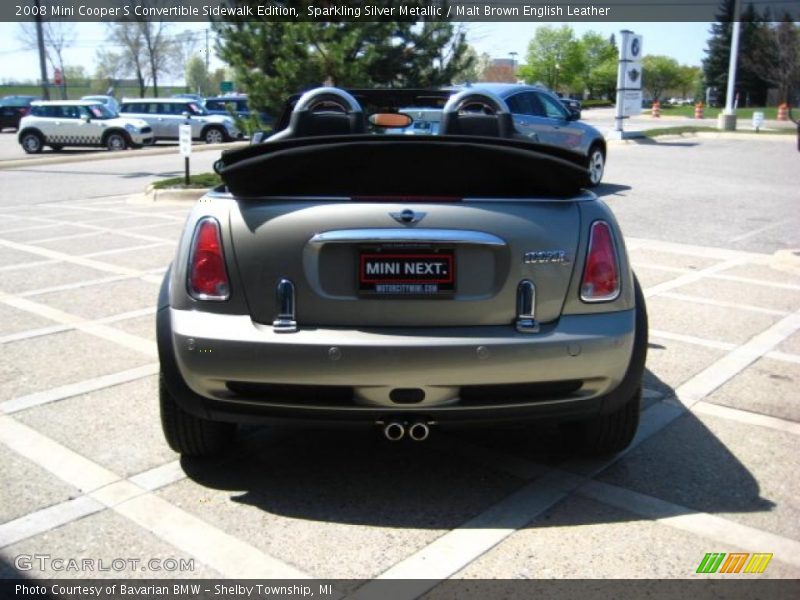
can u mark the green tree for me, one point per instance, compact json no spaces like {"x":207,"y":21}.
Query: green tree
{"x":272,"y":60}
{"x":660,"y":73}
{"x":605,"y":78}
{"x":197,"y":79}
{"x":479,"y":65}
{"x":777,"y":57}
{"x":749,"y":82}
{"x":688,"y":80}
{"x":597,"y":51}
{"x":554,"y":58}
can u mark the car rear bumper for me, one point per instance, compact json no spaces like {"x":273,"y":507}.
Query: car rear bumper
{"x":239,"y":370}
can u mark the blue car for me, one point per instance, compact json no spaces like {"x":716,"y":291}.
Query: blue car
{"x":220,"y":105}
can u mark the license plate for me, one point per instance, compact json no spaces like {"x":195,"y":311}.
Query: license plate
{"x":409,"y":273}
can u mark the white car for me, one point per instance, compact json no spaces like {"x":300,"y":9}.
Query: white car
{"x":79,"y":123}
{"x":166,"y":115}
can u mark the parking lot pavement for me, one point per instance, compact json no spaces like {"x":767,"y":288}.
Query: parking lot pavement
{"x":87,"y":474}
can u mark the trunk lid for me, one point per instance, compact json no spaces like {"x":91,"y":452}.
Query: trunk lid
{"x":337,"y":253}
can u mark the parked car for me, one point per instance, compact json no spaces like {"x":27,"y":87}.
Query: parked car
{"x":572,"y":105}
{"x":538,"y":115}
{"x":400,"y":282}
{"x":79,"y":123}
{"x":238,"y":104}
{"x":166,"y":115}
{"x":109,"y":101}
{"x":196,"y":97}
{"x":12,"y":109}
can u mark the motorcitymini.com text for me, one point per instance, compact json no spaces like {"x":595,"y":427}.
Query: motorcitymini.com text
{"x":161,"y":591}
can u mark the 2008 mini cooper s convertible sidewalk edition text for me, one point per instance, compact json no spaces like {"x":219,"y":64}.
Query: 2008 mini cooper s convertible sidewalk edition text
{"x":347,"y":275}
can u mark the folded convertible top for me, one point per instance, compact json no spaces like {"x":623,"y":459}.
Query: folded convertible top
{"x":370,"y":165}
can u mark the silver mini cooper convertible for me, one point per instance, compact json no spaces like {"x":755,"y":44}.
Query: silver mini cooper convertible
{"x":350,"y":276}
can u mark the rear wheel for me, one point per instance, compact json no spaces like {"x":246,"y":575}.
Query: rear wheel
{"x":32,"y":142}
{"x":190,"y":435}
{"x":613,"y":432}
{"x":596,"y":164}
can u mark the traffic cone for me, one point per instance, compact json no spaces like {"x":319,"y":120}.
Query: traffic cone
{"x":656,"y":112}
{"x":698,"y":110}
{"x":783,"y":112}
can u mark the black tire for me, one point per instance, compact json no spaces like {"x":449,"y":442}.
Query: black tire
{"x":596,"y":164}
{"x":190,"y":435}
{"x":214,"y":135}
{"x":32,"y":142}
{"x":613,"y":432}
{"x":56,"y":147}
{"x":115,"y":141}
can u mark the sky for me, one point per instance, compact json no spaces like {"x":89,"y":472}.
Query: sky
{"x":684,"y":42}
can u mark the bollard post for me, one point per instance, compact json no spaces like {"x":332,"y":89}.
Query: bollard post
{"x":698,"y":110}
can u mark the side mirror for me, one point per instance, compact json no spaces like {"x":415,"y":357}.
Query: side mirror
{"x":186,"y":114}
{"x":574,"y":115}
{"x":86,"y":118}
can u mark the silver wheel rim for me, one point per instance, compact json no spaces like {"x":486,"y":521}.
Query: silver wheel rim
{"x":115,"y":142}
{"x":31,"y":143}
{"x":596,"y":165}
{"x":213,"y":136}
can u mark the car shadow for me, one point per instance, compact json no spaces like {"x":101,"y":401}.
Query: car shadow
{"x":356,"y":477}
{"x":610,"y":189}
{"x":646,"y":141}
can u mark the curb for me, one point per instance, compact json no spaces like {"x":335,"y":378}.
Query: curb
{"x":106,"y":155}
{"x":151,"y":194}
{"x":712,"y":135}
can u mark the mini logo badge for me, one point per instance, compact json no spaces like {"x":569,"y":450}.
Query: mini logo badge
{"x":408,"y":216}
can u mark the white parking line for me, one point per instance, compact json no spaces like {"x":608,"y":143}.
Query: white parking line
{"x":694,"y":276}
{"x":76,"y":389}
{"x":217,"y":549}
{"x":708,"y":380}
{"x":158,"y":477}
{"x":722,"y":304}
{"x":78,"y":260}
{"x":692,"y":250}
{"x":745,"y":416}
{"x":44,"y":520}
{"x":719,"y":276}
{"x":714,"y":344}
{"x":454,"y":550}
{"x":40,"y":331}
{"x":65,"y":464}
{"x":755,"y":232}
{"x":122,"y":338}
{"x":690,"y":339}
{"x":697,"y":523}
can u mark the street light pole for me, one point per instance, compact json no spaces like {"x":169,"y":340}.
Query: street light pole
{"x":727,"y":120}
{"x":40,"y":43}
{"x":513,"y":56}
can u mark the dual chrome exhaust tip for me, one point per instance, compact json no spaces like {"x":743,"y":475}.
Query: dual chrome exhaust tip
{"x":394,"y":431}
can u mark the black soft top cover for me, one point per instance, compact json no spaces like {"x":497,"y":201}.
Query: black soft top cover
{"x":402,"y":165}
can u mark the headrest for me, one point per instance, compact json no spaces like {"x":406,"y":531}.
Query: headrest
{"x":476,"y":112}
{"x":324,"y":111}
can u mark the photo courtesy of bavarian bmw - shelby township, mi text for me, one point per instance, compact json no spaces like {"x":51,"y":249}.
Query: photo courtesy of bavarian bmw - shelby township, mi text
{"x":399,"y":299}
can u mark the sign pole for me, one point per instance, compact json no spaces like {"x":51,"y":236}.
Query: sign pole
{"x":629,"y":83}
{"x":185,"y":148}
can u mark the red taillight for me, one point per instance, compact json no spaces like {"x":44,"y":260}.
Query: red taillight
{"x":208,"y":279}
{"x":601,"y":273}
